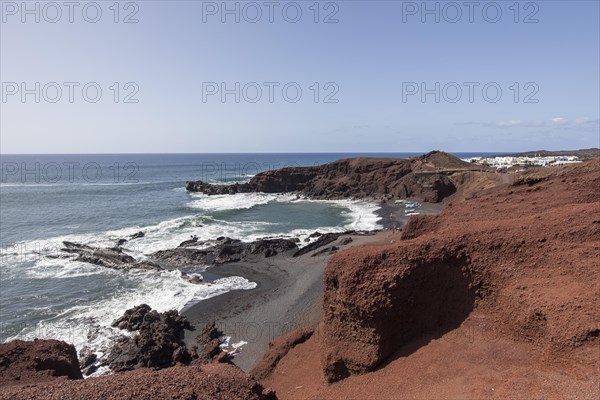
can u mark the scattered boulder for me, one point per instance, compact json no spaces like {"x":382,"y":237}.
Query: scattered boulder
{"x":157,"y":344}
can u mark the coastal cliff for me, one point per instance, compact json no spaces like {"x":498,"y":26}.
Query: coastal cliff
{"x":428,"y":178}
{"x":494,"y":286}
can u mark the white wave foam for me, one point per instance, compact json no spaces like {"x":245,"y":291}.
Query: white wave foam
{"x":363,"y":215}
{"x":88,"y":326}
{"x":360,"y":215}
{"x":244,"y":178}
{"x":238,"y":201}
{"x":46,"y":268}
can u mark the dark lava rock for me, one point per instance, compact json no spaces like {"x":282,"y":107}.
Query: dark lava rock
{"x":133,"y":318}
{"x":320,"y":242}
{"x":189,"y":242}
{"x":88,"y":360}
{"x":113,"y":258}
{"x":224,"y":250}
{"x":209,"y":189}
{"x":158,"y":343}
{"x":137,"y":235}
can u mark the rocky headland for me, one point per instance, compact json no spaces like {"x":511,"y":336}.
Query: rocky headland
{"x":429,"y":178}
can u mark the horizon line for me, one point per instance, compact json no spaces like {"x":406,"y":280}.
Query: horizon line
{"x":289,"y":152}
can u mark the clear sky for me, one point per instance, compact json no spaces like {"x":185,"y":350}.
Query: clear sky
{"x":371,"y":61}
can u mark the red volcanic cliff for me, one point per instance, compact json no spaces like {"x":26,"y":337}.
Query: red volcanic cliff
{"x":469,"y":304}
{"x":475,"y":253}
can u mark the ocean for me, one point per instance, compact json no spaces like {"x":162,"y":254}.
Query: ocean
{"x":98,"y":199}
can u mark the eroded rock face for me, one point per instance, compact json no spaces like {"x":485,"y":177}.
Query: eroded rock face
{"x":157,"y":344}
{"x":209,"y":340}
{"x":36,"y":361}
{"x":375,"y":178}
{"x":523,"y":255}
{"x":278,"y":348}
{"x":384,"y":301}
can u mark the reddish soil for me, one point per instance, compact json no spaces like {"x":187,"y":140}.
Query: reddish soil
{"x":496,"y":297}
{"x":213,"y":381}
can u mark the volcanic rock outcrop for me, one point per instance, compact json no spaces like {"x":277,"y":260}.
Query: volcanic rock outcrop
{"x":428,"y":178}
{"x":525,"y":255}
{"x":157,"y":344}
{"x":49,"y":369}
{"x":22,"y":362}
{"x":220,"y":251}
{"x":113,"y":258}
{"x":223,"y":250}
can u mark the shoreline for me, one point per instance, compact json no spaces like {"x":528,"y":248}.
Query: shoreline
{"x":288,"y":294}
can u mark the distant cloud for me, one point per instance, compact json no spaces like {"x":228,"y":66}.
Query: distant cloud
{"x":558,"y":122}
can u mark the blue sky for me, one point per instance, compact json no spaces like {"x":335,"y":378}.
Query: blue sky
{"x":367,"y":66}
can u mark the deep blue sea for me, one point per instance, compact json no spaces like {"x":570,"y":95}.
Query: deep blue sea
{"x":97,"y":199}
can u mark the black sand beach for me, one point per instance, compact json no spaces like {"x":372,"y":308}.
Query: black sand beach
{"x":288,"y":293}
